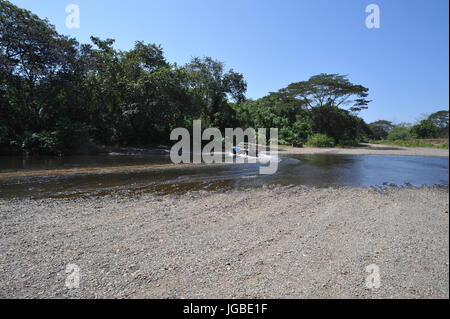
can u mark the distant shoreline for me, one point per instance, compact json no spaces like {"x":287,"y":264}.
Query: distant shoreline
{"x":364,"y":149}
{"x":367,"y":149}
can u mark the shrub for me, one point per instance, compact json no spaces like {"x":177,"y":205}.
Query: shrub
{"x":337,"y":123}
{"x":66,"y":137}
{"x":353,"y":142}
{"x":379,"y":130}
{"x":73,"y":135}
{"x":438,"y":143}
{"x":4,"y":138}
{"x":400,"y":132}
{"x":425,"y":129}
{"x":320,"y":140}
{"x":43,"y":142}
{"x":9,"y":143}
{"x":296,"y":134}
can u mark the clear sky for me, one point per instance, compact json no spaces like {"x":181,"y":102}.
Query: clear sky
{"x":404,"y":63}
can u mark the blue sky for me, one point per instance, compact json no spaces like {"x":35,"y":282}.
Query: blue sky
{"x":405,"y":63}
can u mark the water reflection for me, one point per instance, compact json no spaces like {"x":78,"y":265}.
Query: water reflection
{"x":310,"y":170}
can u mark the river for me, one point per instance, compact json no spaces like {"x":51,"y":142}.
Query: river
{"x":40,"y":177}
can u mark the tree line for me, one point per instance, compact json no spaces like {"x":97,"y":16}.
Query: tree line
{"x":433,"y":126}
{"x":57,"y":95}
{"x":60,"y":96}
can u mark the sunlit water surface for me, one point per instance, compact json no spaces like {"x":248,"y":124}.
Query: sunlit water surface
{"x":67,"y":176}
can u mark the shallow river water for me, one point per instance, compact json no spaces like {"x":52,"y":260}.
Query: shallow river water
{"x":40,"y":177}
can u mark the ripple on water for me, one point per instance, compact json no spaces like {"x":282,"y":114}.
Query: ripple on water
{"x":74,"y":177}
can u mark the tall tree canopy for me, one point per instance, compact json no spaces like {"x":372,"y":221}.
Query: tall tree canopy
{"x":314,"y":106}
{"x":329,"y":90}
{"x":57,"y":95}
{"x":40,"y":71}
{"x":440,"y":120}
{"x":380,"y":129}
{"x":212,"y":86}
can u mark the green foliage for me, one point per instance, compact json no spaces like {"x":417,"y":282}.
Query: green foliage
{"x":66,"y":137}
{"x":8,"y":143}
{"x":443,"y":144}
{"x":435,"y":126}
{"x":423,"y":134}
{"x":300,"y":103}
{"x":425,"y":129}
{"x":43,"y":142}
{"x":72,"y":136}
{"x":349,"y":142}
{"x":440,"y":119}
{"x":211,"y":86}
{"x":320,"y":140}
{"x":400,"y":132}
{"x":329,"y":90}
{"x":62,"y":91}
{"x":337,"y":123}
{"x":4,"y":138}
{"x":57,"y":95}
{"x":296,"y":134}
{"x":380,"y":129}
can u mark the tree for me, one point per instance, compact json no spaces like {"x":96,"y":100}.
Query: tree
{"x":137,"y":95}
{"x":298,"y":114}
{"x":440,"y":119}
{"x":401,"y":131}
{"x":425,"y":129}
{"x":297,"y":133}
{"x":57,"y":94}
{"x":273,"y":110}
{"x":40,"y":74}
{"x":212,"y":86}
{"x":341,"y":125}
{"x":329,"y":90}
{"x":380,"y":129}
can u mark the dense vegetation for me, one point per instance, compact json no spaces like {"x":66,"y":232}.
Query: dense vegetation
{"x":59,"y":96}
{"x":431,"y":143}
{"x":432,"y":131}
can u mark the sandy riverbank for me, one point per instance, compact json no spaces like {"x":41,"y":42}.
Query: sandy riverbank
{"x":368,"y":149}
{"x":262,"y":243}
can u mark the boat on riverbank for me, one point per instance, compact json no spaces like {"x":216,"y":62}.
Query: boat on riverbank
{"x":246,"y":149}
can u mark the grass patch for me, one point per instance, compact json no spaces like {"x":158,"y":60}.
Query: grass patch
{"x":320,"y":140}
{"x":431,"y":143}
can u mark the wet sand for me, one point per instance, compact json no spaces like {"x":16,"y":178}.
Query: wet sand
{"x":98,"y":170}
{"x":367,"y":149}
{"x":269,"y":242}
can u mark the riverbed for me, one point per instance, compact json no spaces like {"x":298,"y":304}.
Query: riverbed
{"x":267,"y":242}
{"x":138,"y":226}
{"x":40,"y":177}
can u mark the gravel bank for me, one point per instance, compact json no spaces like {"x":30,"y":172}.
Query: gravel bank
{"x":368,"y":149}
{"x":260,"y":243}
